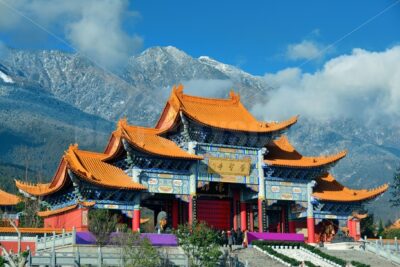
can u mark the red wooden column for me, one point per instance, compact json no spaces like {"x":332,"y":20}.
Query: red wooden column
{"x":311,"y":229}
{"x":243,"y":216}
{"x":136,"y":214}
{"x":260,"y":215}
{"x":251,"y":215}
{"x":292,"y":226}
{"x":192,"y":209}
{"x":136,"y":220}
{"x":236,"y":199}
{"x":283,"y":219}
{"x":175,"y":214}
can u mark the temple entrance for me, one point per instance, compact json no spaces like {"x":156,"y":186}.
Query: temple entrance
{"x":277,"y":217}
{"x":217,"y":212}
{"x":175,"y":209}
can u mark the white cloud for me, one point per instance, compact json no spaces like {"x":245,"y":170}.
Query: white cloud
{"x":208,"y":88}
{"x":93,"y":27}
{"x":363,"y":85}
{"x":304,"y":50}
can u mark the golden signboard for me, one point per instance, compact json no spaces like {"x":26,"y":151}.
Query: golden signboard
{"x":225,"y":166}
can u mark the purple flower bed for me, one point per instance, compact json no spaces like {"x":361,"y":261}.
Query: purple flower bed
{"x":87,"y":238}
{"x":275,"y":237}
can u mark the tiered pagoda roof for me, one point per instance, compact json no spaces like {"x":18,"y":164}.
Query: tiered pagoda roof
{"x":329,"y":189}
{"x":147,"y":140}
{"x":88,"y":166}
{"x":7,"y":199}
{"x":226,"y":114}
{"x":282,"y":154}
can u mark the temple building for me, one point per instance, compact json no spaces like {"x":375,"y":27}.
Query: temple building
{"x":205,"y":160}
{"x":8,"y":203}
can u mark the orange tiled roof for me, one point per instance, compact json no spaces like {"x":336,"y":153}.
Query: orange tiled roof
{"x":147,"y":140}
{"x":88,"y":166}
{"x":282,"y":153}
{"x":28,"y":230}
{"x":218,"y":113}
{"x":329,"y":189}
{"x":7,"y":199}
{"x":395,"y":225}
{"x":48,"y":213}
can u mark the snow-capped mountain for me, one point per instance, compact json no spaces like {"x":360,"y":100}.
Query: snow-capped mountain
{"x":49,"y":99}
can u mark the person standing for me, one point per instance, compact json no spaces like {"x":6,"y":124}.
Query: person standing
{"x":230,"y":240}
{"x":234,"y":236}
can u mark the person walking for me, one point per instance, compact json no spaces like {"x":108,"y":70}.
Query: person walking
{"x":239,"y":238}
{"x":234,"y":236}
{"x":230,"y":240}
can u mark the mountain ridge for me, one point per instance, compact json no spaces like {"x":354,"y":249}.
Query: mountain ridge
{"x":64,"y":98}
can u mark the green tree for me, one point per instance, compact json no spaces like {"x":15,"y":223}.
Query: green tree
{"x":28,"y":209}
{"x":367,"y":226}
{"x":200,"y":243}
{"x":101,"y":224}
{"x":381,"y":229}
{"x":395,"y":189}
{"x":137,"y":251}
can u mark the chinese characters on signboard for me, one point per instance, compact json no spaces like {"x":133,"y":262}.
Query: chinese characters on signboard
{"x":224,"y":166}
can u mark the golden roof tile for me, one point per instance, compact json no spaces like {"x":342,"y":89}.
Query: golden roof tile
{"x":7,"y":199}
{"x":90,"y":167}
{"x":227,"y":114}
{"x":147,"y":140}
{"x":281,"y":153}
{"x":329,"y":189}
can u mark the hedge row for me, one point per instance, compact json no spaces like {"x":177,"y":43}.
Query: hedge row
{"x":324,"y":255}
{"x":298,"y":245}
{"x":310,"y":264}
{"x":359,"y":264}
{"x":275,"y":253}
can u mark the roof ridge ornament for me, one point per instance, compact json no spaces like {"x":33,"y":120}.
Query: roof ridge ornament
{"x":235,"y":97}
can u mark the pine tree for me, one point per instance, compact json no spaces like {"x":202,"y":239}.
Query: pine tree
{"x":381,"y":229}
{"x":395,"y":188}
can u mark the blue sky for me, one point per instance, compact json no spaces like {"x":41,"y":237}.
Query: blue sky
{"x":254,"y":35}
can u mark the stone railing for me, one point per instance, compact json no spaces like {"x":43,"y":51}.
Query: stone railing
{"x":388,"y":249}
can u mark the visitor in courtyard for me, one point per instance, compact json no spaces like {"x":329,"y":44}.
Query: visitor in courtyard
{"x":234,"y":237}
{"x":239,"y":238}
{"x":230,"y":240}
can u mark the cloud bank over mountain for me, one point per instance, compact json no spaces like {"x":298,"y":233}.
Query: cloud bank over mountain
{"x":363,"y":85}
{"x":92,"y":27}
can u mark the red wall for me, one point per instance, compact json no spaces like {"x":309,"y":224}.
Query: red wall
{"x":77,"y":218}
{"x":13,"y":245}
{"x":217,"y":213}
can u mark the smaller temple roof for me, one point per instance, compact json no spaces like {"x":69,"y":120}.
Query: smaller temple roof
{"x":90,"y":167}
{"x":48,"y":213}
{"x":147,"y":140}
{"x":395,"y":225}
{"x":328,"y":189}
{"x":281,"y":153}
{"x":7,"y":199}
{"x":229,"y":114}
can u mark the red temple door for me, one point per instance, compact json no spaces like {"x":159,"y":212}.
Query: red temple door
{"x":215,"y":213}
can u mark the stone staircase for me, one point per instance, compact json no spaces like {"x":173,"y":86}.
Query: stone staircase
{"x":251,"y":257}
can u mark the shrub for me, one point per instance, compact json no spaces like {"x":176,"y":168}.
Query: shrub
{"x":310,"y":264}
{"x":391,"y":233}
{"x":359,"y":264}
